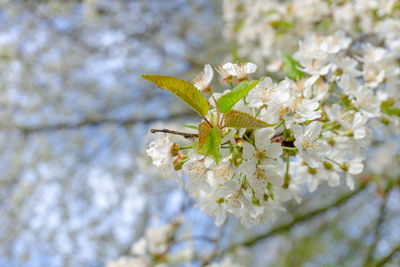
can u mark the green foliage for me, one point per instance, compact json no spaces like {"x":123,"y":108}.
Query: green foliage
{"x":211,"y":146}
{"x":282,"y":26}
{"x":194,"y":127}
{"x":386,"y":107}
{"x":227,"y":101}
{"x":290,"y":67}
{"x":182,"y":89}
{"x":234,"y":118}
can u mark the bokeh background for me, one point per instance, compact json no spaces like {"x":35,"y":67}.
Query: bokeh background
{"x":76,"y":187}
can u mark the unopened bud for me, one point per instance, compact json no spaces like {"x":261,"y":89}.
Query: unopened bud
{"x":175,"y":149}
{"x":385,"y":121}
{"x":228,"y":79}
{"x":331,"y":141}
{"x":241,"y":79}
{"x":345,"y":166}
{"x":178,"y":162}
{"x":312,"y":170}
{"x":327,"y":165}
{"x":256,"y":202}
{"x":349,"y":133}
{"x":207,"y":90}
{"x":239,"y":143}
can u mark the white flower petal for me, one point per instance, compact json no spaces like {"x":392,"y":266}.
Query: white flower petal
{"x":274,"y":150}
{"x":313,"y":184}
{"x":230,"y":69}
{"x":208,"y":74}
{"x":263,"y":137}
{"x":314,"y":130}
{"x":273,"y":176}
{"x":251,"y":67}
{"x":220,"y":217}
{"x":334,"y":179}
{"x":356,"y":167}
{"x":350,"y":181}
{"x":248,"y":151}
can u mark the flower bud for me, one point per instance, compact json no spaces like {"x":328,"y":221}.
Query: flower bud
{"x":175,"y":149}
{"x":179,"y":161}
{"x":345,"y":166}
{"x":331,"y":141}
{"x":312,"y":170}
{"x":327,"y":165}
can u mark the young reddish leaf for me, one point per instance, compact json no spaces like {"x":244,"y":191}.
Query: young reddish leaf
{"x":211,"y":146}
{"x":234,"y":118}
{"x":204,"y":133}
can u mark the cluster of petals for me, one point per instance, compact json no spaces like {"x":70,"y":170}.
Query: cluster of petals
{"x":321,"y":123}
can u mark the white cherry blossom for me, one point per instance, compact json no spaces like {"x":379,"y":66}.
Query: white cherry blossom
{"x":306,"y":140}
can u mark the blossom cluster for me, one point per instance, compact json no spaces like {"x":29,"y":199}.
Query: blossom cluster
{"x":263,"y":30}
{"x":314,"y":125}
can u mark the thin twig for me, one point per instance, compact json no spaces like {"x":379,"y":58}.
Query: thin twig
{"x":297,"y":219}
{"x":386,"y":259}
{"x":216,"y":246}
{"x":377,"y":230}
{"x":185,"y":135}
{"x":368,"y":261}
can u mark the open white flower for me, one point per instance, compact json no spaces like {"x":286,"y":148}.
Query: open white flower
{"x":212,"y":205}
{"x":267,"y":92}
{"x":359,"y":129}
{"x":367,"y":102}
{"x":197,"y":169}
{"x":240,"y":70}
{"x":263,"y":150}
{"x":160,"y":152}
{"x":310,"y":149}
{"x":203,"y":80}
{"x":259,"y":160}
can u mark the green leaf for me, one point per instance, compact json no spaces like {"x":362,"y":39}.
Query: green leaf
{"x":227,"y":101}
{"x":204,"y":133}
{"x":194,"y":127}
{"x":386,"y":107}
{"x":211,"y":147}
{"x":392,"y":111}
{"x":234,"y":118}
{"x":182,"y":89}
{"x":290,"y":67}
{"x":282,"y":26}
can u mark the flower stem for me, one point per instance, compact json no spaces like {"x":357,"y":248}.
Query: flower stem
{"x":185,"y":135}
{"x":289,"y":148}
{"x":279,"y":124}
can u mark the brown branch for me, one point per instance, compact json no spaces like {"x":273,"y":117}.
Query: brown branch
{"x":185,"y":135}
{"x":297,"y":219}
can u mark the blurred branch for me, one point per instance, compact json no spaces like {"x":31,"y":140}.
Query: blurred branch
{"x":216,"y":242}
{"x":92,"y":122}
{"x":296,"y":219}
{"x":378,"y":227}
{"x":386,"y":259}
